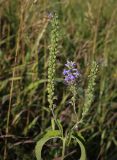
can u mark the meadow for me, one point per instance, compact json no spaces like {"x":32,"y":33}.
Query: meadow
{"x":58,"y":79}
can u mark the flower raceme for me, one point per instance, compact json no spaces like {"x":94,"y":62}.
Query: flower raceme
{"x":71,"y":73}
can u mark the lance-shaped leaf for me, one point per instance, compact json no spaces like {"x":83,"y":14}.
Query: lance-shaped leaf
{"x":49,"y":135}
{"x":82,"y":148}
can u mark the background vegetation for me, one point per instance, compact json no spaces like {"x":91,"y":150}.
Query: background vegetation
{"x":88,"y":32}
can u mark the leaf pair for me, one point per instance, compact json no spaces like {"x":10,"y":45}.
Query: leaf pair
{"x":56,"y":134}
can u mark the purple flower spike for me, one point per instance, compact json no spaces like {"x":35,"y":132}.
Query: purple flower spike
{"x":71,"y":74}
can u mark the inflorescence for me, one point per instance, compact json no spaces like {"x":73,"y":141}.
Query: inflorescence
{"x":71,"y":73}
{"x":55,"y":37}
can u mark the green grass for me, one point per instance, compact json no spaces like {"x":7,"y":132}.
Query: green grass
{"x":88,"y":32}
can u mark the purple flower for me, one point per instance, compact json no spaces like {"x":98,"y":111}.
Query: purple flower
{"x":71,"y":73}
{"x":50,"y":15}
{"x":65,"y":72}
{"x":76,"y":73}
{"x":70,"y":64}
{"x":69,"y":78}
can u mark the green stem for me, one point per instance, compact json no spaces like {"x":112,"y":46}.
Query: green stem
{"x":74,"y":107}
{"x":63,"y":149}
{"x":56,"y":121}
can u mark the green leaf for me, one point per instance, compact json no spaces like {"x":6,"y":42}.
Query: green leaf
{"x":82,"y":148}
{"x":49,"y":135}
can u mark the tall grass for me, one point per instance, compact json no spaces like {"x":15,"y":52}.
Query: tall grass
{"x":88,"y":32}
